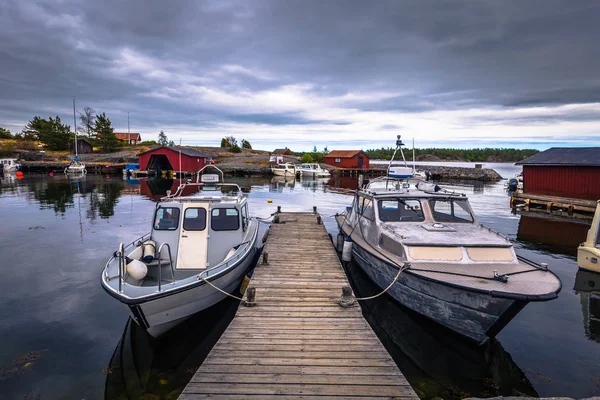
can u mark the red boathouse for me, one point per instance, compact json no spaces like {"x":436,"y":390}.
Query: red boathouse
{"x":165,"y":158}
{"x":564,"y":172}
{"x":357,"y":159}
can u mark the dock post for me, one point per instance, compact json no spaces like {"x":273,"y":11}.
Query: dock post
{"x":347,"y":299}
{"x":265,"y":257}
{"x":250,"y":297}
{"x":319,"y":221}
{"x":278,"y":209}
{"x":314,"y":209}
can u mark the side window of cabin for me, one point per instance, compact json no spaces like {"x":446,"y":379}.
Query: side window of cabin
{"x":368,"y":210}
{"x":245,"y":219}
{"x":167,"y":219}
{"x":598,"y":237}
{"x":406,"y":210}
{"x":194,"y":219}
{"x":225,"y":219}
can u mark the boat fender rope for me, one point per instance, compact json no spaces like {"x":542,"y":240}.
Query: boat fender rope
{"x":400,"y":270}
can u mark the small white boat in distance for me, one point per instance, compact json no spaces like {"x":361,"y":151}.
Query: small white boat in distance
{"x":10,"y":164}
{"x":588,"y":252}
{"x":312,"y":170}
{"x":75,"y":167}
{"x":287,"y":169}
{"x":197,"y":243}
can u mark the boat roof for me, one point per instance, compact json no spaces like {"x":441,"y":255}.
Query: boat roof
{"x":397,"y":187}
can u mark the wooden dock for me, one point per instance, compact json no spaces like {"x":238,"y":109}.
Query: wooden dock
{"x":552,"y":205}
{"x":298,"y":342}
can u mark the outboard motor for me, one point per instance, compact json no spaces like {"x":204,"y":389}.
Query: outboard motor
{"x":513,"y":184}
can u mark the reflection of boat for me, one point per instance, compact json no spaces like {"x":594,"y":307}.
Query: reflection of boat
{"x":311,"y":170}
{"x":278,"y":183}
{"x":435,"y":360}
{"x":587,"y":284}
{"x":142,"y":366}
{"x":287,"y":169}
{"x":314,"y":183}
{"x":588,"y":253}
{"x":167,"y":275}
{"x":460,"y":274}
{"x":10,"y":164}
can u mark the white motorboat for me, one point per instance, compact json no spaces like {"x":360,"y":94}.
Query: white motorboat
{"x":426,"y":245}
{"x":197,"y":243}
{"x":588,"y":252}
{"x":10,"y":164}
{"x":311,"y":170}
{"x":287,"y":169}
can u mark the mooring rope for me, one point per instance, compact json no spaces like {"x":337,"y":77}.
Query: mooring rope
{"x":200,"y":277}
{"x":402,"y":268}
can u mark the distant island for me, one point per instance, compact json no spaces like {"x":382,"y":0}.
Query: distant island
{"x":472,"y":155}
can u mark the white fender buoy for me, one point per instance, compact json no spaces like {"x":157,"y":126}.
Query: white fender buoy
{"x":347,"y":250}
{"x":149,"y":251}
{"x":137,"y":270}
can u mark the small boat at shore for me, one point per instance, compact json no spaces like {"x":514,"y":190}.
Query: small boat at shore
{"x":75,"y":167}
{"x":197,"y":243}
{"x":424,"y":245}
{"x":312,"y":170}
{"x":287,"y":169}
{"x":10,"y":164}
{"x":588,"y":252}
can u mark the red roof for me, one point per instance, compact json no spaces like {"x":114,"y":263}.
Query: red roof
{"x":128,"y":136}
{"x":344,"y":153}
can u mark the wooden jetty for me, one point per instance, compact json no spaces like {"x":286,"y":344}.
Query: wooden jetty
{"x":552,"y":205}
{"x":297,"y":341}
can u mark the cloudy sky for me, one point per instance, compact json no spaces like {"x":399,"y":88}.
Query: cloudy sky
{"x":342,"y":74}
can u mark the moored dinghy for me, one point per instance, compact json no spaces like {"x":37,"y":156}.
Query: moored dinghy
{"x":196,"y":243}
{"x":458,"y":273}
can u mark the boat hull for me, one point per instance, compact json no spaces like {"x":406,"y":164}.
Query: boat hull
{"x":159,"y":315}
{"x":312,"y":174}
{"x":474,"y":315}
{"x":280,"y":172}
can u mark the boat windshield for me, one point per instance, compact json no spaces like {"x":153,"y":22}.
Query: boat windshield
{"x":451,"y":210}
{"x":405,"y":210}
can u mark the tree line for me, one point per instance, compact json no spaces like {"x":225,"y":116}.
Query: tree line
{"x":231,"y":143}
{"x":473,"y":155}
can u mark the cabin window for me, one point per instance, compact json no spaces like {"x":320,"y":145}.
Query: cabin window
{"x":167,"y":219}
{"x":225,"y":219}
{"x":194,"y":219}
{"x":364,"y":207}
{"x":396,"y":210}
{"x":245,"y":219}
{"x":338,"y":160}
{"x":450,"y":210}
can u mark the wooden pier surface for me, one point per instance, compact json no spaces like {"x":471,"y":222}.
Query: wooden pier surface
{"x":298,"y":342}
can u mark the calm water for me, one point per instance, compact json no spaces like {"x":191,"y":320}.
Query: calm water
{"x":64,"y":338}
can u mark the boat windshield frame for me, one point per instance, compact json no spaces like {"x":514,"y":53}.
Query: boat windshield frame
{"x":402,"y":200}
{"x":451,"y":218}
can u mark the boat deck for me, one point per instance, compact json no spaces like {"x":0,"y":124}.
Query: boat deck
{"x":298,"y":342}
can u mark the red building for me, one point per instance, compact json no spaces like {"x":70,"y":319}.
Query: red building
{"x":132,"y":138}
{"x":347,"y":159}
{"x":563,"y":172}
{"x":166,"y":158}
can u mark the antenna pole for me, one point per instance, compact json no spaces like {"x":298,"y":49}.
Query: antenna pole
{"x":128,"y":132}
{"x":75,"y":124}
{"x":414,"y":168}
{"x":179,"y":158}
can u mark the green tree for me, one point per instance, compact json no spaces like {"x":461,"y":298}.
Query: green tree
{"x":51,"y":132}
{"x":325,"y":150}
{"x":163,"y":140}
{"x":171,"y":143}
{"x":5,"y":134}
{"x":229,"y":141}
{"x":246,"y":144}
{"x":307,"y":158}
{"x":235,"y":149}
{"x":314,"y":149}
{"x":106,"y":136}
{"x":87,"y":120}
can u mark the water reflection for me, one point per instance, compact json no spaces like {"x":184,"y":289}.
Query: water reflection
{"x":278,"y":183}
{"x":144,"y":367}
{"x":552,"y":234}
{"x":587,"y":285}
{"x":437,"y":362}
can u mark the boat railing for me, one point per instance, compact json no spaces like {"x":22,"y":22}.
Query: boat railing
{"x":160,"y":265}
{"x":120,"y":254}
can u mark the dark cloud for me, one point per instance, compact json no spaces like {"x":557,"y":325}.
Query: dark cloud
{"x":208,"y":63}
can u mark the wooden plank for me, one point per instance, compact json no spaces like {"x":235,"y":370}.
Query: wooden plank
{"x":186,"y":396}
{"x":296,"y":389}
{"x":270,"y":378}
{"x":297,"y":342}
